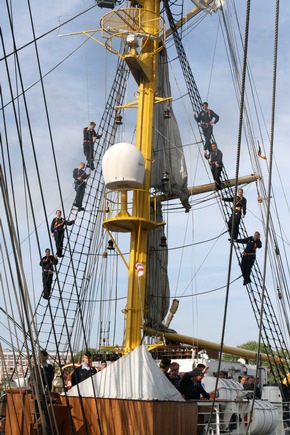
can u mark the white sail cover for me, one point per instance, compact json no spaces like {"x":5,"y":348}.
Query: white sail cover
{"x":134,"y":376}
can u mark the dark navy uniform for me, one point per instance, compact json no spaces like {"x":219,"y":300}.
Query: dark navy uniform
{"x":82,"y":373}
{"x":47,"y":264}
{"x":57,"y":229}
{"x":205,"y":117}
{"x":80,"y":176}
{"x":249,"y":256}
{"x":47,"y":374}
{"x":191,"y":388}
{"x":90,"y":136}
{"x":239,"y":209}
{"x":216,"y":163}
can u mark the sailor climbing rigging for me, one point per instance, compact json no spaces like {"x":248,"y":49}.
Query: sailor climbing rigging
{"x":207,"y":118}
{"x":47,"y":262}
{"x":80,"y":176}
{"x":216,"y":164}
{"x":90,"y":136}
{"x":249,"y":255}
{"x":57,"y":228}
{"x":239,"y":210}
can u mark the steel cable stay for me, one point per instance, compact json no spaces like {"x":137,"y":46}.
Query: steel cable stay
{"x":50,"y":315}
{"x":31,"y":136}
{"x":253,"y":148}
{"x":59,"y":188}
{"x":33,"y":41}
{"x":270,"y":322}
{"x":20,"y":94}
{"x":277,"y":330}
{"x":92,"y":200}
{"x":20,"y":138}
{"x":24,"y":308}
{"x":259,"y":311}
{"x":109,"y":118}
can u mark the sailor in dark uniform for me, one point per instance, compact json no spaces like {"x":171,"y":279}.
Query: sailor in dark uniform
{"x":239,"y":211}
{"x":190,"y":385}
{"x":57,"y":228}
{"x":80,"y":177}
{"x":47,"y":264}
{"x":90,"y":137}
{"x":216,"y":163}
{"x":249,"y":255}
{"x":47,"y":370}
{"x":207,"y":119}
{"x":85,"y":371}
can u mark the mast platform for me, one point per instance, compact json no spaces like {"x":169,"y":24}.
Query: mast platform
{"x":121,"y":214}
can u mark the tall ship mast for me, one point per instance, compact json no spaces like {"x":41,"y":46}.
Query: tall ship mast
{"x":128,"y":188}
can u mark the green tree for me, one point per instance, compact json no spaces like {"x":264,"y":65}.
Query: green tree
{"x":78,"y":356}
{"x":252,"y":346}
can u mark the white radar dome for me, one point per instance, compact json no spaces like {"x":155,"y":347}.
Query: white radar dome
{"x":123,"y":166}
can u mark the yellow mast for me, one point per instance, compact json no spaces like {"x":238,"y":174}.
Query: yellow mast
{"x":139,"y":236}
{"x":135,"y":25}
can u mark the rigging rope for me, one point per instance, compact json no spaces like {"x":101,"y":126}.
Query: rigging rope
{"x":271,"y":154}
{"x":16,"y":50}
{"x":275,"y":340}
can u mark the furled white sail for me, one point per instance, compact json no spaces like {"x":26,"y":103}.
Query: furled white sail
{"x":157,"y":288}
{"x":169,"y":176}
{"x":168,"y":156}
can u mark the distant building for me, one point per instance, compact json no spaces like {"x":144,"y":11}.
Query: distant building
{"x":16,"y":363}
{"x":13,"y":363}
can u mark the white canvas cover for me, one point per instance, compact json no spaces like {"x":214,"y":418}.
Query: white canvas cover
{"x":134,"y":376}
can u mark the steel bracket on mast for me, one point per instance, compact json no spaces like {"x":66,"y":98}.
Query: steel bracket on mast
{"x":140,"y":71}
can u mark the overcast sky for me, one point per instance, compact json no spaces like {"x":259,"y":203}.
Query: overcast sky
{"x":76,"y":92}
